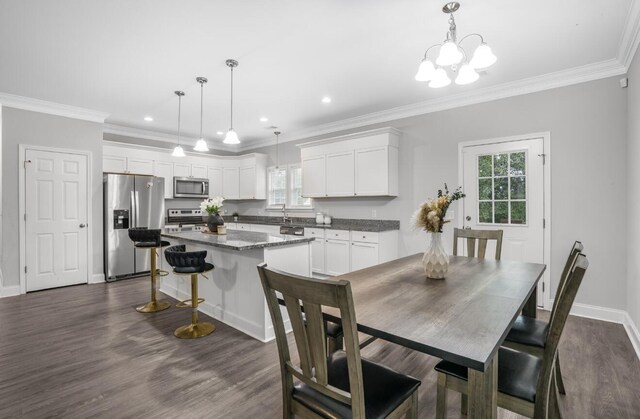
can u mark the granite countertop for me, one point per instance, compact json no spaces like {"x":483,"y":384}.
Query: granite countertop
{"x":350,"y":224}
{"x":235,"y":239}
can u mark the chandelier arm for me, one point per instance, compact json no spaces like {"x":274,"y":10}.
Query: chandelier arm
{"x":472,"y":34}
{"x":428,"y":49}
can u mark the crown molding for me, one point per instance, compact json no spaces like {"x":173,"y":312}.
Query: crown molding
{"x":159,"y":136}
{"x":51,"y":108}
{"x":576,"y":75}
{"x":630,"y":36}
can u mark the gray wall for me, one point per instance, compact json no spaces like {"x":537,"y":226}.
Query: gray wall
{"x":154,"y":143}
{"x":32,"y":128}
{"x":633,"y":194}
{"x":588,"y":125}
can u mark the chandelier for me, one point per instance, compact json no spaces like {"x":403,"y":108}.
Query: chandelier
{"x":451,"y":54}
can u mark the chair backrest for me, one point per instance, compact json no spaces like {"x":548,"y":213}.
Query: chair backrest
{"x":300,"y":293}
{"x":567,"y":297}
{"x":178,"y":257}
{"x":566,"y":271}
{"x":143,"y":234}
{"x":482,"y":236}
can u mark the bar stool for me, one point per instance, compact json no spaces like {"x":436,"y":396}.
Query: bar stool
{"x":192,"y":264}
{"x":144,"y":238}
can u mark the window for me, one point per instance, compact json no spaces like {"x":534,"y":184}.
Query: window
{"x":502,"y":188}
{"x":285,"y":187}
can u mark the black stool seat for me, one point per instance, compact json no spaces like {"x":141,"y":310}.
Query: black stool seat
{"x":529,"y":331}
{"x":184,"y":262}
{"x":517,"y":373}
{"x":334,"y":330}
{"x":163,"y":243}
{"x":147,"y":237}
{"x":384,"y":389}
{"x":193,"y":269}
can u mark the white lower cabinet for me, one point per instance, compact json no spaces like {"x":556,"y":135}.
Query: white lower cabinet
{"x":363,"y":255}
{"x":317,"y":250}
{"x":337,"y":256}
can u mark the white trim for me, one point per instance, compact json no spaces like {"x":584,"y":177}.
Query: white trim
{"x":632,"y":331}
{"x":96,"y":279}
{"x":9,"y":291}
{"x":631,"y":36}
{"x":546,"y":136}
{"x":22,"y":149}
{"x":163,"y":137}
{"x":589,"y":311}
{"x":51,"y":108}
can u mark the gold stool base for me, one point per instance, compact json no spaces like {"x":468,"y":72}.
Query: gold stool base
{"x":153,"y":306}
{"x":193,"y":331}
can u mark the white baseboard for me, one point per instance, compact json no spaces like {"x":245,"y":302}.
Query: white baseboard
{"x":9,"y":291}
{"x":599,"y":313}
{"x":632,"y":331}
{"x":96,"y":279}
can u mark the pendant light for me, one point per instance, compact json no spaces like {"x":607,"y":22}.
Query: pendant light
{"x":277,"y":134}
{"x":178,"y":151}
{"x":201,"y":144}
{"x":231,"y":137}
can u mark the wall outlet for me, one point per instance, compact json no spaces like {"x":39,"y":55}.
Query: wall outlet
{"x":225,"y":212}
{"x":374,"y":214}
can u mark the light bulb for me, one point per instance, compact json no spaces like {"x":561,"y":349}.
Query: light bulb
{"x":449,"y":54}
{"x":425,"y":71}
{"x":439,"y":79}
{"x":178,"y":152}
{"x":466,"y":75}
{"x":201,"y":145}
{"x":482,"y":57}
{"x":231,"y":137}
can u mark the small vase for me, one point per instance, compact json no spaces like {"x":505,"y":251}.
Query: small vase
{"x":435,"y":260}
{"x":213,"y":221}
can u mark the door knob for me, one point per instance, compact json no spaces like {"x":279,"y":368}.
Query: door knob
{"x":468,"y":217}
{"x":83,"y":225}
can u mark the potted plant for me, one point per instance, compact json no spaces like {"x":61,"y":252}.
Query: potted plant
{"x":212,"y":207}
{"x":235,"y":216}
{"x":431,"y":218}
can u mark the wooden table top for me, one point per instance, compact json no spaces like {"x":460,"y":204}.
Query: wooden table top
{"x":463,"y":318}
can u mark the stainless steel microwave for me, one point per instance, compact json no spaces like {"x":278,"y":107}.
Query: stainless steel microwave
{"x":190,"y":187}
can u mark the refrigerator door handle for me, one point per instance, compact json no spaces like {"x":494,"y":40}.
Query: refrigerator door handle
{"x":137,"y":209}
{"x":134,"y":211}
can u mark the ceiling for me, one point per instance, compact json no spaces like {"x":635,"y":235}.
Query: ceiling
{"x":126,"y":58}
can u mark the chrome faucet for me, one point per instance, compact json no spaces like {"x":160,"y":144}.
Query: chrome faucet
{"x":285,"y":219}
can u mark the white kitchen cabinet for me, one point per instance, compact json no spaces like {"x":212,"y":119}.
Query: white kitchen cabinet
{"x":164,"y":170}
{"x":139,"y":166}
{"x":114,"y":164}
{"x":181,"y":169}
{"x":214,"y":174}
{"x":340,"y":174}
{"x":363,"y":255}
{"x":199,"y":171}
{"x":247,"y":182}
{"x":314,"y":182}
{"x":373,"y":176}
{"x":317,"y":249}
{"x":337,"y":254}
{"x":231,"y":183}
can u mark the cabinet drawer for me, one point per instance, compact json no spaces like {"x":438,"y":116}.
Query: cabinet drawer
{"x":364,"y":236}
{"x":337,"y":234}
{"x":318,"y":233}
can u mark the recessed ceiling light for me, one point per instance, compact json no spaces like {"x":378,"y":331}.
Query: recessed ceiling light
{"x":326,"y":99}
{"x":220,"y":133}
{"x":148,"y":118}
{"x":264,"y":119}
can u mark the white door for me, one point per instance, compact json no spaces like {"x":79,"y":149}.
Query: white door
{"x":363,"y":255}
{"x":56,"y":219}
{"x":248,"y":183}
{"x":504,"y":184}
{"x":314,"y":181}
{"x":340,"y":174}
{"x":337,"y":256}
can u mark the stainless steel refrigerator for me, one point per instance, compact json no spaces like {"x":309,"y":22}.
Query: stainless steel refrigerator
{"x":129,"y":201}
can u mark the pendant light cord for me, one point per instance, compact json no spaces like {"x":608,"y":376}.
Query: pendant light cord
{"x":232,"y":98}
{"x":201,"y":106}
{"x":179,"y":111}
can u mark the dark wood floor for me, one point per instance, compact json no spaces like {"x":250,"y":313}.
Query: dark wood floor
{"x":82,"y":352}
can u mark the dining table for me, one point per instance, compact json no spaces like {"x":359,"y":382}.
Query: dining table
{"x":463,"y":318}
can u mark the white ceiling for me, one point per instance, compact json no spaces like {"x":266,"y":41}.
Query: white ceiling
{"x":127,"y":57}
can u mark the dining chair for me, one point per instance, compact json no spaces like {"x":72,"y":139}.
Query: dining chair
{"x":482,"y":236}
{"x":530,"y":335}
{"x":525,"y":382}
{"x":341,"y":384}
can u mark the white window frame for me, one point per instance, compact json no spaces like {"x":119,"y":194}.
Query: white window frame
{"x":289,"y":188}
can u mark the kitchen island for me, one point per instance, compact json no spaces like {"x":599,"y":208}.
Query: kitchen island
{"x":232,"y":291}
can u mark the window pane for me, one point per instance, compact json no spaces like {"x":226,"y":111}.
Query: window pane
{"x":484,"y":166}
{"x":518,"y":212}
{"x":486,"y":212}
{"x":277,"y":184}
{"x":518,"y":187}
{"x":502,"y":212}
{"x":484,"y":189}
{"x":518,"y":163}
{"x":500,"y":164}
{"x":295,"y":198}
{"x":501,"y":188}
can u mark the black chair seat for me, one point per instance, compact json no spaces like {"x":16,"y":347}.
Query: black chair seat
{"x":529,"y":331}
{"x":193,"y":269}
{"x":384,"y":389}
{"x":517,"y":373}
{"x":334,"y":330}
{"x":163,"y":243}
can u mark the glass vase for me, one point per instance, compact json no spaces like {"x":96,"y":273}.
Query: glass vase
{"x":435,"y":260}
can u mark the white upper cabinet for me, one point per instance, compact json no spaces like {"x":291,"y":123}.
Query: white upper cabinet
{"x":214,"y":174}
{"x":248,"y":182}
{"x":199,"y":171}
{"x":362,"y":164}
{"x":164,"y":169}
{"x":114,"y":164}
{"x":123,"y":164}
{"x":314,"y":181}
{"x":139,"y":166}
{"x":231,"y":183}
{"x":181,"y":170}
